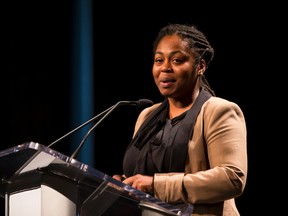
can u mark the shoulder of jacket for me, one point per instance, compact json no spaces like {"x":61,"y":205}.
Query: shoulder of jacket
{"x":219,"y":103}
{"x":149,"y":110}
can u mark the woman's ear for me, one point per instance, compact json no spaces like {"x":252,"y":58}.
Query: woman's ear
{"x":201,"y":67}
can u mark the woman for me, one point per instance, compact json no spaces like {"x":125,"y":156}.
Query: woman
{"x":191,"y":148}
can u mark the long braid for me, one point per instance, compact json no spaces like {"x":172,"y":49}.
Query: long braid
{"x":198,"y":44}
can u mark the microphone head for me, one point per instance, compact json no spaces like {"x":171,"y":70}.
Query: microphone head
{"x":139,"y":103}
{"x":144,"y":103}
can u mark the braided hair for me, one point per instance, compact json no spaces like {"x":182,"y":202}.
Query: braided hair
{"x":197,"y":43}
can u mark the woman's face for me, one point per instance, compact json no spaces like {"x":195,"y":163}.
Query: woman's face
{"x":173,"y":68}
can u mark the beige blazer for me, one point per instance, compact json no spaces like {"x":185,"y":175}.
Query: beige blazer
{"x":216,"y":169}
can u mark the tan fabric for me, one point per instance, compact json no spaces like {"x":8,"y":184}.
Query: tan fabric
{"x":219,"y":143}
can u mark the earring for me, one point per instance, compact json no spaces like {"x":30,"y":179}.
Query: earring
{"x":201,"y":72}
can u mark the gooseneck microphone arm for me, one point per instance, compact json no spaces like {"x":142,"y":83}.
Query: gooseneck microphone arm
{"x":82,"y":125}
{"x":76,"y":152}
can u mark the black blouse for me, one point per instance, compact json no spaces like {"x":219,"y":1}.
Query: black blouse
{"x":158,"y":145}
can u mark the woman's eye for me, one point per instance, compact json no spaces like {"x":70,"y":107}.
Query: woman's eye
{"x":176,"y":60}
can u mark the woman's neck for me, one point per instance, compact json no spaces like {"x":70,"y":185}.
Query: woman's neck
{"x":177,"y":107}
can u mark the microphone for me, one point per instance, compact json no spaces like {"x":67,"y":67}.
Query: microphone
{"x":139,"y":103}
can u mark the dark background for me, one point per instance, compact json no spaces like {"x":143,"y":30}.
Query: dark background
{"x":36,"y":67}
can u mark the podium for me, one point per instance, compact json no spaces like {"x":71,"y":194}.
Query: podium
{"x":39,"y":181}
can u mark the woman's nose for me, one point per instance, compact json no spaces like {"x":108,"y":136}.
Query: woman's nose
{"x":166,"y":67}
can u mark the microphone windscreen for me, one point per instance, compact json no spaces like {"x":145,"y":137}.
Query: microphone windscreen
{"x":144,"y":103}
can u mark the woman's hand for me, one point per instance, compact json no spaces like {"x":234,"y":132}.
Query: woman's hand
{"x":119,"y":177}
{"x":141,"y":182}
